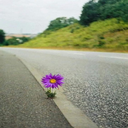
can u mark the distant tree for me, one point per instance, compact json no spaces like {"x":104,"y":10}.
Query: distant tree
{"x":2,"y":37}
{"x":104,"y":9}
{"x":12,"y":41}
{"x":123,"y":10}
{"x":71,"y":20}
{"x":115,"y":9}
{"x":90,"y":13}
{"x":6,"y":43}
{"x":16,"y":41}
{"x":61,"y":22}
{"x":23,"y":39}
{"x":103,"y":2}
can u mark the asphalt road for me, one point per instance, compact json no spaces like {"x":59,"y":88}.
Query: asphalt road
{"x":96,"y":82}
{"x":23,"y":102}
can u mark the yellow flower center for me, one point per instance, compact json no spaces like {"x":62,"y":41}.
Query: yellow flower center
{"x":52,"y":81}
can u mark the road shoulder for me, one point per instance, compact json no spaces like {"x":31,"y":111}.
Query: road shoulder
{"x":74,"y":115}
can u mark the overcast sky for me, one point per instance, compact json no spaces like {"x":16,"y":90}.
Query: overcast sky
{"x":34,"y":16}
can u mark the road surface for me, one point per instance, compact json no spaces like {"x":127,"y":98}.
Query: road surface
{"x":96,"y":82}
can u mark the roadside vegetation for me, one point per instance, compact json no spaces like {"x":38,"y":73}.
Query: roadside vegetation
{"x":11,"y":41}
{"x":2,"y":37}
{"x":108,"y":34}
{"x":103,"y":25}
{"x":16,"y":40}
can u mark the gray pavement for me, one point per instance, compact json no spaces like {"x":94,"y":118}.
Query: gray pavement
{"x":95,"y":82}
{"x":23,"y":103}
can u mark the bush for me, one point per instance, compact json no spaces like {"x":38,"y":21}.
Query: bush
{"x":2,"y":37}
{"x":101,"y":43}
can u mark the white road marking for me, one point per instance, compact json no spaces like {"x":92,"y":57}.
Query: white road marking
{"x":114,"y":57}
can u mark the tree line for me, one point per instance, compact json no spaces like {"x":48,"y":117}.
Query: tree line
{"x":54,"y":25}
{"x":11,"y":41}
{"x":104,"y":9}
{"x":93,"y":10}
{"x":61,"y":22}
{"x":2,"y":37}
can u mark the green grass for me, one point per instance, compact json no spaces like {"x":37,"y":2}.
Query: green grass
{"x":105,"y":35}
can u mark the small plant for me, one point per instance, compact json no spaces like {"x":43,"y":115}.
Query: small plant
{"x":101,"y":42}
{"x":52,"y":82}
{"x":101,"y":37}
{"x":50,"y":94}
{"x":72,"y":31}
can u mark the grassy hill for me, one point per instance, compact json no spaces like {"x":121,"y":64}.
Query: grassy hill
{"x":109,"y":35}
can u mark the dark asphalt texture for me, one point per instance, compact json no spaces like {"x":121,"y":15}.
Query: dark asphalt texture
{"x":96,"y":82}
{"x":23,"y":103}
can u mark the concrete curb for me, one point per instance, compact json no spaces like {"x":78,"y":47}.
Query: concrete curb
{"x":74,"y":115}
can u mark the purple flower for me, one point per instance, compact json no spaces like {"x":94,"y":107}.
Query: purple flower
{"x":52,"y":81}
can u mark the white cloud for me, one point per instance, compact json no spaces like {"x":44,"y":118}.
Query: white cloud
{"x":33,"y":16}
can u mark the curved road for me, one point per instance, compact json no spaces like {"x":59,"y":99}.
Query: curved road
{"x":96,"y":82}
